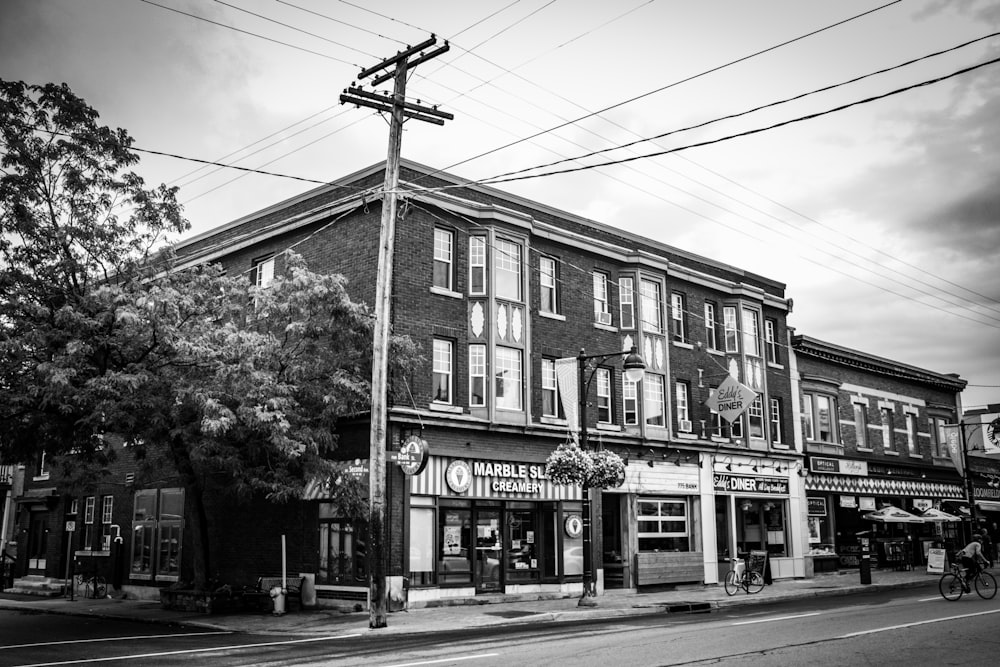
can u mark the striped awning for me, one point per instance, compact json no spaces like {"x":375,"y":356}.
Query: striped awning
{"x":879,"y":486}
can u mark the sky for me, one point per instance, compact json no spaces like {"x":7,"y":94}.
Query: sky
{"x":880,"y":212}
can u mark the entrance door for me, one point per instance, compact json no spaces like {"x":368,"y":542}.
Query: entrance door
{"x":489,"y":550}
{"x":723,"y":535}
{"x":38,"y":542}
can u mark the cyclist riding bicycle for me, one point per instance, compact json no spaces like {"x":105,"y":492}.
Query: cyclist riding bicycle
{"x":970,"y":557}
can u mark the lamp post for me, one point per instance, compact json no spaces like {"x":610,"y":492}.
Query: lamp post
{"x":634,"y":368}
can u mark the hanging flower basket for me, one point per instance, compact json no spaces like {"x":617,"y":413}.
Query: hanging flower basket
{"x":608,"y":470}
{"x":569,"y":465}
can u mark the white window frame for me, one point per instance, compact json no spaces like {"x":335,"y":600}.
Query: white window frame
{"x":888,"y":428}
{"x":444,"y":365}
{"x":444,"y":259}
{"x":89,"y":514}
{"x":711,"y":340}
{"x":751,"y":332}
{"x":509,"y":361}
{"x":601,"y":303}
{"x":755,"y":417}
{"x":605,"y":415}
{"x":630,"y":402}
{"x":477,"y":265}
{"x":658,"y":518}
{"x":677,"y":308}
{"x":654,"y":401}
{"x":550,"y":388}
{"x":730,"y":329}
{"x":775,"y":416}
{"x":650,"y":295}
{"x":860,"y":409}
{"x":547,"y":285}
{"x":478,"y":373}
{"x":682,"y":402}
{"x":507,"y":262}
{"x":626,"y":302}
{"x":263,"y":272}
{"x":770,"y":341}
{"x":107,"y":511}
{"x":811,"y":413}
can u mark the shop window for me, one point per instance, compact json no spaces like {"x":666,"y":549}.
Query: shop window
{"x":548,"y":293}
{"x":443,"y":258}
{"x":604,"y":396}
{"x":602,"y":307}
{"x":443,"y":364}
{"x":421,"y":546}
{"x":507,"y":270}
{"x":819,"y":417}
{"x":477,"y":265}
{"x":677,"y":320}
{"x":508,"y":379}
{"x":157,"y":530}
{"x":761,"y":525}
{"x":455,"y":548}
{"x":523,"y":546}
{"x":711,"y":342}
{"x":477,"y":375}
{"x":663,"y":524}
{"x":343,"y":555}
{"x":626,"y":301}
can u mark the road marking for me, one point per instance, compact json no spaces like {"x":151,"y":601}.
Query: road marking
{"x":450,"y":659}
{"x":776,"y":618}
{"x":916,"y":623}
{"x":117,"y":639}
{"x":189,"y":651}
{"x":936,"y":597}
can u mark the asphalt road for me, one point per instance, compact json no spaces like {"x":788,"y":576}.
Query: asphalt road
{"x":911,"y":627}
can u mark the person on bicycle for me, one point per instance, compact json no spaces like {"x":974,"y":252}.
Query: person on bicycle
{"x":970,"y":557}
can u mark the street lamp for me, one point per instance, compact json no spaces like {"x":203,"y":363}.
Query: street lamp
{"x":634,"y":368}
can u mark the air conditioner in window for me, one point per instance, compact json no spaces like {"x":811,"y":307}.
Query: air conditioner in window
{"x":684,"y":425}
{"x":603,"y":318}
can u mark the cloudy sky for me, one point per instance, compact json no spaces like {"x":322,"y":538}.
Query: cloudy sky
{"x":883,"y":217}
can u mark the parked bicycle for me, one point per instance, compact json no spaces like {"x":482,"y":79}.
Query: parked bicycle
{"x":742,"y":576}
{"x":953,"y":584}
{"x":93,"y":586}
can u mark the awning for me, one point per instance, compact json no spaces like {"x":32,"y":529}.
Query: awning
{"x":988,"y":505}
{"x":931,"y":514}
{"x":893,"y":514}
{"x":881,"y":486}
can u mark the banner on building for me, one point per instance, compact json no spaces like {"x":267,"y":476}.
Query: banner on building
{"x":953,"y":438}
{"x":567,"y":370}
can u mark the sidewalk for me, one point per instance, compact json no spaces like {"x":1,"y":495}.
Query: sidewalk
{"x":474,"y":614}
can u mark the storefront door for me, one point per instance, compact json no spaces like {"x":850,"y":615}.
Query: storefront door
{"x":723,"y":535}
{"x":489,"y":550}
{"x":38,"y":542}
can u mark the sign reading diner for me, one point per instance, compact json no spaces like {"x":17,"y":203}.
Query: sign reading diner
{"x":748,"y":484}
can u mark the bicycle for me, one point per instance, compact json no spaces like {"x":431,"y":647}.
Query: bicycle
{"x":93,"y":587}
{"x":952,"y":584}
{"x":740,"y":576}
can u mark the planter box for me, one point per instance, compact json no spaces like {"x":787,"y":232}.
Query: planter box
{"x":669,"y":568}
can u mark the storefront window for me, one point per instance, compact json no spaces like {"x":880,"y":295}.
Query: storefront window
{"x":761,"y":525}
{"x":342,"y":556}
{"x":421,"y":546}
{"x":522,"y":551}
{"x":157,"y":530}
{"x":663,"y":524}
{"x":455,"y":548}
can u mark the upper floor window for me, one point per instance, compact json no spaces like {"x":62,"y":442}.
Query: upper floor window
{"x":751,"y":332}
{"x":716,"y":417}
{"x":939,"y":442}
{"x":888,"y":429}
{"x":89,"y":511}
{"x":682,"y":405}
{"x":508,"y":379}
{"x":263,"y":272}
{"x":729,"y":326}
{"x":861,"y":425}
{"x":649,"y":295}
{"x":653,"y":400}
{"x":677,"y":317}
{"x":550,"y":389}
{"x":630,"y":401}
{"x":477,"y":375}
{"x":41,"y":467}
{"x":771,"y":341}
{"x":710,"y":339}
{"x":602,"y":309}
{"x":444,"y":242}
{"x":507,"y":270}
{"x":477,"y":265}
{"x":443,"y":364}
{"x":775,"y":414}
{"x":107,"y":505}
{"x":911,"y":434}
{"x":819,"y":414}
{"x":755,"y":417}
{"x":547,"y":285}
{"x":626,"y":301}
{"x":604,"y":396}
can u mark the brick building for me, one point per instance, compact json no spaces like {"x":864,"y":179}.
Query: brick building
{"x":495,"y":289}
{"x":874,"y":434}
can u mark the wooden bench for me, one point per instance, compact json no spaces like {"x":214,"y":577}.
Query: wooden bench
{"x":259,"y":597}
{"x":657,"y":568}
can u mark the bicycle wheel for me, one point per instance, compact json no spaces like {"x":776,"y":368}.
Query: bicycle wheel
{"x":986,"y":585}
{"x":731,"y":584}
{"x":100,"y":587}
{"x":754,"y":582}
{"x":950,"y":587}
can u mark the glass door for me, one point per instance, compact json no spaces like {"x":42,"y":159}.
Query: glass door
{"x":38,"y":542}
{"x":489,"y":550}
{"x":723,"y":535}
{"x":522,"y":544}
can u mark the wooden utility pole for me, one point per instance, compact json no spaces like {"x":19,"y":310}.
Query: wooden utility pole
{"x":399,"y":109}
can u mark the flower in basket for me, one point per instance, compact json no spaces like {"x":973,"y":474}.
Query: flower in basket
{"x":608,"y":470}
{"x":569,"y":465}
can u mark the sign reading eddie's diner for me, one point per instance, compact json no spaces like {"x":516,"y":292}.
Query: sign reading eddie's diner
{"x":747,"y":484}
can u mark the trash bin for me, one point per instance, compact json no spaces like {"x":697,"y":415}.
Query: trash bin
{"x":278,"y":595}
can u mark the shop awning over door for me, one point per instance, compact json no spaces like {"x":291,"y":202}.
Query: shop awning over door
{"x":893,"y":514}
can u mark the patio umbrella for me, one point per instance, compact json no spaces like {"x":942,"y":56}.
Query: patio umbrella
{"x":893,"y":514}
{"x":932,"y":514}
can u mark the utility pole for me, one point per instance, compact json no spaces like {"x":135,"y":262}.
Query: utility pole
{"x":399,"y":109}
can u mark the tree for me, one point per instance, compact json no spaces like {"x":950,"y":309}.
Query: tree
{"x":104,"y":347}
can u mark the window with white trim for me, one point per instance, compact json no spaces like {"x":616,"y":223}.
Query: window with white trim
{"x":819,"y":414}
{"x":477,"y":375}
{"x":107,"y":505}
{"x":755,"y":417}
{"x":911,"y":434}
{"x":653,"y":403}
{"x":604,"y":396}
{"x":677,"y":328}
{"x":888,"y":429}
{"x":630,"y":401}
{"x":602,"y":309}
{"x":443,"y":365}
{"x":649,"y":302}
{"x":508,"y":379}
{"x":507,"y":269}
{"x":662,"y":524}
{"x":263,"y":272}
{"x":771,"y":341}
{"x":550,"y":389}
{"x":444,"y":241}
{"x":477,"y":265}
{"x":547,"y":285}
{"x":711,"y":342}
{"x":751,"y":332}
{"x":716,"y":417}
{"x":776,"y":426}
{"x":681,"y":406}
{"x":626,"y":302}
{"x":861,"y":424}
{"x":89,"y":512}
{"x":730,"y":329}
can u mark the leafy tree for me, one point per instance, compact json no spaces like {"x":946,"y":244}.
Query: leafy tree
{"x":105,"y":348}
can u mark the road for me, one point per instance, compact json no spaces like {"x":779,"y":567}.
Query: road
{"x":909,"y":627}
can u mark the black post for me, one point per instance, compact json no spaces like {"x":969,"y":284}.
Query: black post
{"x":865,"y":560}
{"x":589,"y":597}
{"x":969,"y":488}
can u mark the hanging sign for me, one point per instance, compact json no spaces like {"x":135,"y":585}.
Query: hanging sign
{"x":731,"y":399}
{"x":412,"y":455}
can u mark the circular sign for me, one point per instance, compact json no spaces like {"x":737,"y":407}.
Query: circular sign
{"x":458,"y":476}
{"x":993,"y":432}
{"x":412,"y":455}
{"x":573,"y":525}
